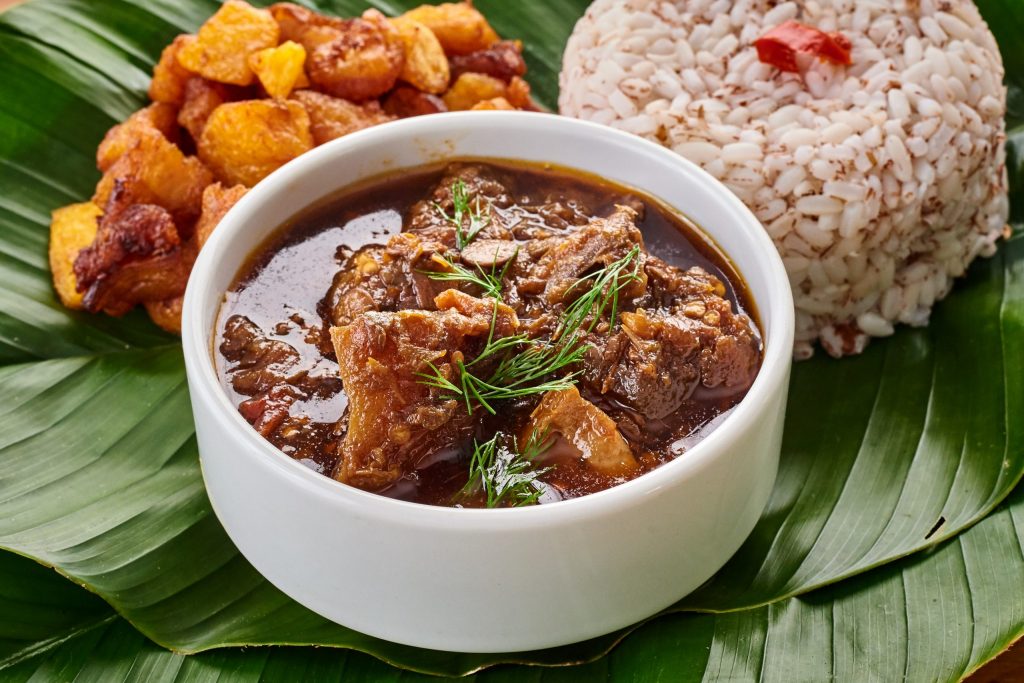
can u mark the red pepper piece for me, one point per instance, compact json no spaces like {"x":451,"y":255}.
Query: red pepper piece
{"x":780,"y":46}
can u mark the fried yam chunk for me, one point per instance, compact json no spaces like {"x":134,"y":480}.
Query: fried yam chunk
{"x":156,"y":171}
{"x":220,"y":50}
{"x":587,"y":428}
{"x":279,"y":69}
{"x":360,"y":61}
{"x":158,"y":117}
{"x":426,"y":66}
{"x":72,"y":228}
{"x":405,"y":101}
{"x":503,"y":60}
{"x":518,"y":94}
{"x":137,"y":256}
{"x":459,"y":27}
{"x":333,"y":117}
{"x":391,"y":411}
{"x":470,"y":89}
{"x":217,"y":201}
{"x":243,"y":142}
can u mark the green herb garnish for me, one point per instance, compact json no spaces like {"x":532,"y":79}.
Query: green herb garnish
{"x":490,"y":282}
{"x":478,"y":219}
{"x":505,"y":475}
{"x":605,"y":285}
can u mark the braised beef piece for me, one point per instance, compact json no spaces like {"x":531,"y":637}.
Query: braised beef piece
{"x":678,"y":353}
{"x":394,"y":419}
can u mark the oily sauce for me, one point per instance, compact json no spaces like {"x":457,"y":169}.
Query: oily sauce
{"x":283,"y":293}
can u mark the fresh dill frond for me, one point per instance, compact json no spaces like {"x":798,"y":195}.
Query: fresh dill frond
{"x":503,"y":474}
{"x":490,"y":282}
{"x":605,"y":286}
{"x":461,"y":210}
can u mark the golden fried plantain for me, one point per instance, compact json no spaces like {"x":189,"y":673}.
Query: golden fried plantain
{"x":220,"y":50}
{"x":158,"y":117}
{"x":72,"y":229}
{"x":201,"y":98}
{"x":361,"y":62}
{"x":304,"y":26}
{"x":155,"y":171}
{"x":495,"y":104}
{"x":217,"y":200}
{"x":169,"y":76}
{"x":279,"y":68}
{"x":166,"y":313}
{"x":518,"y":94}
{"x":471,"y":88}
{"x":332,"y":117}
{"x":458,"y":25}
{"x":406,"y":100}
{"x":243,"y":142}
{"x":426,"y":66}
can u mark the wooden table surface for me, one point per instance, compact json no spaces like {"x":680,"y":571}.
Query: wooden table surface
{"x":1007,"y":668}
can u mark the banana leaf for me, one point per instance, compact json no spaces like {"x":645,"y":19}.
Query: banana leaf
{"x":931,"y":617}
{"x":885,"y":455}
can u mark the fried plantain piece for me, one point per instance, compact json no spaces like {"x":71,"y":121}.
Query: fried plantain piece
{"x":406,"y":100}
{"x":361,"y":61}
{"x":136,"y":256}
{"x":220,"y":50}
{"x":333,"y":117}
{"x":72,"y":228}
{"x":518,"y":94}
{"x":304,"y":26}
{"x":502,"y":60}
{"x":169,"y":76}
{"x":166,"y":313}
{"x":155,"y":171}
{"x":471,"y":88}
{"x":159,"y":117}
{"x":217,"y":200}
{"x":201,"y":98}
{"x":495,"y":104}
{"x":279,"y":69}
{"x":459,"y":27}
{"x":426,"y":66}
{"x":243,"y":142}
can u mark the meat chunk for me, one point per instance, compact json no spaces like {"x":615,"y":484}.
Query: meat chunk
{"x":587,"y":428}
{"x":387,"y":278}
{"x":393,"y":418}
{"x":259,"y":363}
{"x":486,"y":193}
{"x":661,"y":357}
{"x":599,"y":243}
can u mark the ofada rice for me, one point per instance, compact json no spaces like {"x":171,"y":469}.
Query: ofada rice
{"x":879,"y":182}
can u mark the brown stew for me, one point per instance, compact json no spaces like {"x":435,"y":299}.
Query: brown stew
{"x":483,"y":333}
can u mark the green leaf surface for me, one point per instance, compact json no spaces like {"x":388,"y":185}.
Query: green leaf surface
{"x":932,"y":617}
{"x":885,"y":454}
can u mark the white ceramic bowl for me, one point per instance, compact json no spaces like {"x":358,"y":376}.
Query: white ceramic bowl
{"x":505,"y":579}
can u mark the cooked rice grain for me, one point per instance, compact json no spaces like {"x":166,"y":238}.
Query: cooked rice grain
{"x":879,"y":182}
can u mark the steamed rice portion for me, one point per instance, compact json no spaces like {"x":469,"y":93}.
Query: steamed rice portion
{"x":879,"y":182}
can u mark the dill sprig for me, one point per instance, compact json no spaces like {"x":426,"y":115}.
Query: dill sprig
{"x":461,"y":209}
{"x":605,"y":286}
{"x":505,"y":475}
{"x":490,"y":282}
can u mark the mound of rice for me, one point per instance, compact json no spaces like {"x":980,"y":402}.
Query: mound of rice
{"x":879,"y":182}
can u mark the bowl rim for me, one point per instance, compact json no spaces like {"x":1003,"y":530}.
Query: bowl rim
{"x":777,"y":327}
